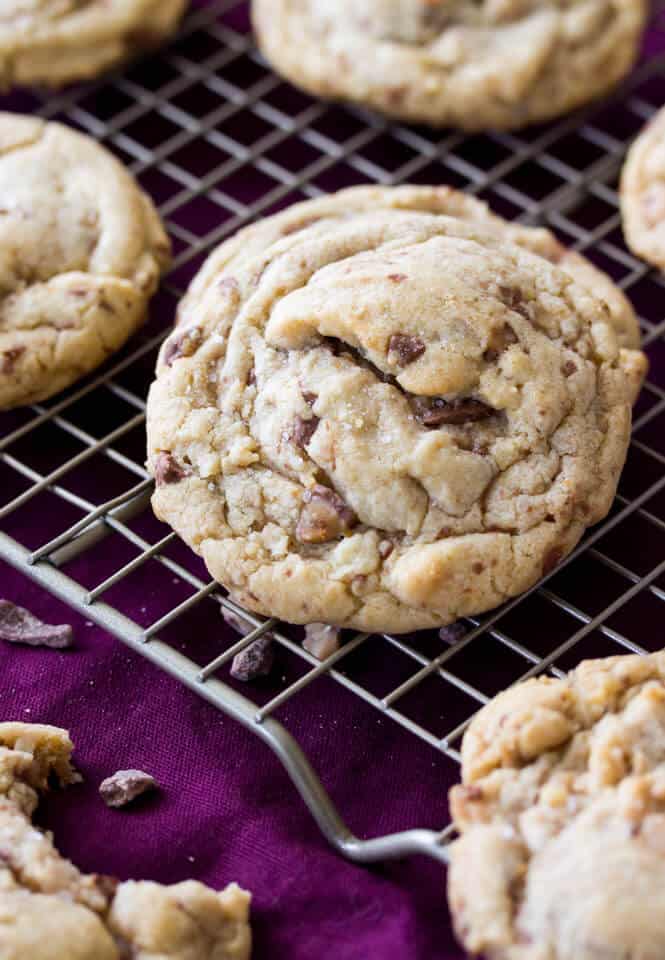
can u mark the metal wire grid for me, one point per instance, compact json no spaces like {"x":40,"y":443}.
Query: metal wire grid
{"x":219,"y":140}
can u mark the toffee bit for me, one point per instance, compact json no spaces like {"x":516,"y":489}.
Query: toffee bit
{"x":182,"y":344}
{"x":256,"y":660}
{"x":406,"y":348}
{"x":124,"y":786}
{"x":435,"y":411}
{"x":453,"y":633}
{"x":18,"y":625}
{"x":324,"y":516}
{"x":302,"y":431}
{"x":168,"y":470}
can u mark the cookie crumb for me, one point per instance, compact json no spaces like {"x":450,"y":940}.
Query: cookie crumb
{"x":453,"y":633}
{"x":124,"y":786}
{"x":321,"y":640}
{"x":18,"y":625}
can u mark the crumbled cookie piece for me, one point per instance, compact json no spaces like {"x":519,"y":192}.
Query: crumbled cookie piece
{"x":18,"y":625}
{"x":331,"y":470}
{"x":561,"y":813}
{"x":126,"y":785}
{"x":321,"y":640}
{"x":48,"y":908}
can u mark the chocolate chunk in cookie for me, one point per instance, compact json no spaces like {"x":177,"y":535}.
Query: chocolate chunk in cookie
{"x":168,"y":470}
{"x":82,"y":247}
{"x":256,"y":660}
{"x":435,"y":411}
{"x":324,"y":516}
{"x":184,"y":343}
{"x":405,"y":348}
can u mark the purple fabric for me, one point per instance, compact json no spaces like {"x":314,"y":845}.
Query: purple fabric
{"x":227,"y":811}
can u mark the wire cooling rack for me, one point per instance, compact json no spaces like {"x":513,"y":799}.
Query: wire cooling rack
{"x":218,"y":140}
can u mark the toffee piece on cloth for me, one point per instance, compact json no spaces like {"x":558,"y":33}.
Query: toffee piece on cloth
{"x":81,"y":253}
{"x":388,"y":409}
{"x":500,"y":64}
{"x":48,"y":908}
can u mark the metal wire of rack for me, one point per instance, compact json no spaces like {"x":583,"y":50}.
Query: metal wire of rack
{"x":219,"y":140}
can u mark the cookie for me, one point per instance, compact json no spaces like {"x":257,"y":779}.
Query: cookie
{"x":388,"y":408}
{"x":501,"y":64}
{"x":48,"y":909}
{"x":562,"y":818}
{"x":81,"y":252}
{"x":54,"y":42}
{"x":643,"y":193}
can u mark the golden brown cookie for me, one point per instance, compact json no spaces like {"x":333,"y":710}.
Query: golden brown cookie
{"x":81,"y":252}
{"x":498,"y":64}
{"x":388,"y":409}
{"x":562,"y":818}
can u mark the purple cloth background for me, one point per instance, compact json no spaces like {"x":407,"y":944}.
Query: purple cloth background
{"x":227,"y":811}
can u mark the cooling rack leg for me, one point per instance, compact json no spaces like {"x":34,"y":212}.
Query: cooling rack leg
{"x":317,"y":800}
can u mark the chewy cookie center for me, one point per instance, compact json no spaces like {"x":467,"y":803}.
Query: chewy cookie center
{"x":425,"y":317}
{"x":42,"y":237}
{"x":395,"y":370}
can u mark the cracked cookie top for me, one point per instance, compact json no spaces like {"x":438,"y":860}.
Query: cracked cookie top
{"x":54,"y":42}
{"x":562,"y":816}
{"x":474,"y":64}
{"x":81,"y":252}
{"x":643,"y":193}
{"x":387,"y":409}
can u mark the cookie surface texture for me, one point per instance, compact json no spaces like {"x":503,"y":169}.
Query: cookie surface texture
{"x":387,"y":409}
{"x":81,"y":252}
{"x":562,"y":818}
{"x":500,"y":64}
{"x":49,"y":910}
{"x":54,"y":42}
{"x":643,"y":193}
